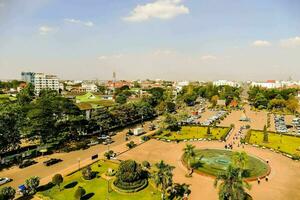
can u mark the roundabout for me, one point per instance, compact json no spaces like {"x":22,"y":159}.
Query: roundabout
{"x":211,"y":162}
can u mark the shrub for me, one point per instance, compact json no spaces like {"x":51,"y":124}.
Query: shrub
{"x":145,"y":138}
{"x":87,"y":173}
{"x":146,"y":164}
{"x":79,"y":193}
{"x":57,"y":179}
{"x":130,"y":188}
{"x":32,"y":184}
{"x":130,"y":176}
{"x":7,"y":193}
{"x":109,"y":154}
{"x":130,"y":144}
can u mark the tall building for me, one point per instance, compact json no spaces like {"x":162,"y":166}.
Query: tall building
{"x":27,"y":77}
{"x":41,"y":81}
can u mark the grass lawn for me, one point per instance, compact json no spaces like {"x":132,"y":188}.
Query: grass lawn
{"x":284,"y":143}
{"x":215,"y":161}
{"x":97,"y":188}
{"x":194,"y":132}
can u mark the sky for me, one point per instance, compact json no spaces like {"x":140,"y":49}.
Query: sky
{"x":155,"y":39}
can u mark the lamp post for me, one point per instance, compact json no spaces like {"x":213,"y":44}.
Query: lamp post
{"x":78,"y":159}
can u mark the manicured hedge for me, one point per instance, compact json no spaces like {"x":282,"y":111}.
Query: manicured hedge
{"x":130,"y":187}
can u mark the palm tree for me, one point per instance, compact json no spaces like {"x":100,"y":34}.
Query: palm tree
{"x":232,"y":186}
{"x":163,"y":177}
{"x":189,"y":152}
{"x":240,"y":160}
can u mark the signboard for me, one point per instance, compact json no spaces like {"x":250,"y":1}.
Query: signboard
{"x":94,"y":156}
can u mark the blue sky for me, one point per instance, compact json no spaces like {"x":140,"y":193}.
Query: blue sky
{"x":168,"y":39}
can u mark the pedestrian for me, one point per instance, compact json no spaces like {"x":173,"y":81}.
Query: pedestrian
{"x":258,"y":180}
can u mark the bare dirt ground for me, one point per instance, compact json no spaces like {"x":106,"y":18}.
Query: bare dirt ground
{"x":282,"y":183}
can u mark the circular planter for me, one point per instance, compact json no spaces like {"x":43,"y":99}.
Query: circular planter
{"x":215,"y":161}
{"x":127,"y":189}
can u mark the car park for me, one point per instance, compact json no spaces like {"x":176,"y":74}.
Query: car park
{"x":5,"y":180}
{"x":214,"y":118}
{"x":280,"y":124}
{"x":52,"y":161}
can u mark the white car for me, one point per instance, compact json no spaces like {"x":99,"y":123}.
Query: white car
{"x":4,"y":180}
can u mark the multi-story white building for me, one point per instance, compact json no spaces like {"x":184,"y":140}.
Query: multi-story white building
{"x":44,"y":81}
{"x":225,"y":82}
{"x":89,"y":87}
{"x":271,"y":84}
{"x":41,"y":81}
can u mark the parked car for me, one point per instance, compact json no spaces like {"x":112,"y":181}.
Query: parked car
{"x":52,"y":161}
{"x":107,"y":141}
{"x":94,"y":142}
{"x":27,"y":163}
{"x":5,"y":180}
{"x":103,"y":137}
{"x":112,"y":133}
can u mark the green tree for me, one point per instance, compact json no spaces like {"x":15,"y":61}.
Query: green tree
{"x":121,"y":98}
{"x":146,"y":164}
{"x":163,"y":176}
{"x":109,"y":154}
{"x":48,"y":117}
{"x":170,"y":106}
{"x":266,"y":135}
{"x":232,"y":186}
{"x":7,"y":193}
{"x":171,"y":122}
{"x":214,"y":99}
{"x":10,"y":125}
{"x":292,"y":104}
{"x":178,"y":191}
{"x":128,"y":173}
{"x":189,"y":153}
{"x":26,"y":95}
{"x":130,"y":144}
{"x":32,"y":184}
{"x":87,"y":173}
{"x":79,"y":193}
{"x":57,"y":179}
{"x":208,"y":132}
{"x":240,"y":160}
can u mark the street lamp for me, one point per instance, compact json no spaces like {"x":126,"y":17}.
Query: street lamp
{"x":78,"y":159}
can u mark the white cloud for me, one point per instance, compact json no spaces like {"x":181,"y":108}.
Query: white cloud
{"x":77,"y":21}
{"x":208,"y":57}
{"x":44,"y":30}
{"x":261,"y":43}
{"x":290,"y":42}
{"x":161,"y":9}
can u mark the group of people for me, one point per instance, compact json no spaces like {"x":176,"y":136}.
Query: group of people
{"x":266,"y":178}
{"x":229,"y":146}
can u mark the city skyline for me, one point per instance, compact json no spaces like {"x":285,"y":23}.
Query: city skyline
{"x":155,"y":39}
